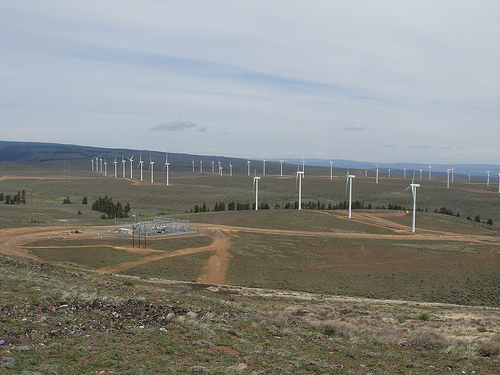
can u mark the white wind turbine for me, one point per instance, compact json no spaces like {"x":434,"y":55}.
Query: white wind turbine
{"x":366,"y":173}
{"x":376,"y":175}
{"x":420,"y":174}
{"x":413,"y":187}
{"x":300,"y":176}
{"x":193,"y":165}
{"x":141,"y":163}
{"x":92,"y":160}
{"x":349,"y":178}
{"x":131,"y":159}
{"x":212,"y":166}
{"x":469,"y":178}
{"x":256,"y":187}
{"x":123,"y":166}
{"x":452,"y":173}
{"x":230,"y":168}
{"x":303,"y":168}
{"x":263,"y":167}
{"x":389,"y":169}
{"x":281,"y":167}
{"x":100,"y":162}
{"x":404,"y":173}
{"x":105,"y":167}
{"x":331,"y":169}
{"x":430,"y":172}
{"x":165,"y":167}
{"x":248,"y":166}
{"x":115,"y":163}
{"x":488,"y":178}
{"x":220,"y":167}
{"x":201,"y":166}
{"x":448,"y":178}
{"x":151,"y":168}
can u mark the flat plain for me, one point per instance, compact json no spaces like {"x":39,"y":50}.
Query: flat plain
{"x":316,"y":291}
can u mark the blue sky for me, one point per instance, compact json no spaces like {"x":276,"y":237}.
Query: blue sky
{"x":381,"y":81}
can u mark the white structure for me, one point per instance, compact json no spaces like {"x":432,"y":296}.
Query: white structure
{"x":141,"y":163}
{"x":151,"y":167}
{"x":256,"y":186}
{"x":452,"y":173}
{"x":488,"y":178}
{"x":105,"y":167}
{"x":331,"y":169}
{"x":404,"y":173}
{"x":230,"y":168}
{"x":376,"y":175}
{"x":165,"y":167}
{"x":389,"y":169}
{"x":430,"y":172}
{"x":448,"y":178}
{"x":349,"y":181}
{"x":115,"y":163}
{"x":193,"y":165}
{"x":212,"y":166}
{"x":201,"y":166}
{"x":92,"y":160}
{"x":220,"y":170}
{"x":420,"y":174}
{"x":281,"y":167}
{"x":300,"y":176}
{"x":131,"y":159}
{"x":263,"y":167}
{"x":414,"y":193}
{"x":248,"y":166}
{"x":123,"y":166}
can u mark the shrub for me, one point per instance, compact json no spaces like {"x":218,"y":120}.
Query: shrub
{"x":128,"y":283}
{"x":425,"y":317}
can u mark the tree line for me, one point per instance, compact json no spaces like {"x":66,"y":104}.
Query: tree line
{"x":110,"y":209}
{"x":19,"y":198}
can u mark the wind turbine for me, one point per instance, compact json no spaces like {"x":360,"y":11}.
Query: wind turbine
{"x":131,"y":159}
{"x":404,"y":173}
{"x":488,"y":178}
{"x":263,"y":167}
{"x":114,"y":163}
{"x":366,"y":173}
{"x":165,"y":167}
{"x":193,"y":165}
{"x":248,"y":166}
{"x":448,"y":178}
{"x":452,"y":173}
{"x":420,"y":174}
{"x":92,"y":160}
{"x":201,"y":166}
{"x":141,"y":163}
{"x":212,"y":166}
{"x":220,"y":169}
{"x":123,"y":165}
{"x":469,"y":178}
{"x":105,"y":167}
{"x":413,"y":187}
{"x":100,"y":161}
{"x":349,"y":178}
{"x":256,"y":186}
{"x":376,"y":175}
{"x":331,"y":169}
{"x":303,"y":167}
{"x":300,"y":176}
{"x":230,"y":168}
{"x":281,"y":167}
{"x":430,"y":172}
{"x":151,"y":167}
{"x":389,"y":169}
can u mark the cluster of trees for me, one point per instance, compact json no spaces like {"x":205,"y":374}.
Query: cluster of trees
{"x":110,"y":209}
{"x":446,"y":211}
{"x":221,"y":206}
{"x":477,"y":219}
{"x":18,"y":198}
{"x":317,"y":205}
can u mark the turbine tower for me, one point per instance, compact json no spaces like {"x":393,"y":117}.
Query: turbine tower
{"x":141,"y":163}
{"x":212,"y":166}
{"x":430,"y":172}
{"x":131,"y":159}
{"x":165,"y":167}
{"x":151,"y":167}
{"x":115,"y":163}
{"x":331,"y":169}
{"x":452,"y":173}
{"x":263,"y":167}
{"x":376,"y":175}
{"x":193,"y":165}
{"x":92,"y":160}
{"x":389,"y":169}
{"x":420,"y":174}
{"x":105,"y":167}
{"x":300,"y":176}
{"x":123,"y":166}
{"x":349,"y":178}
{"x":256,"y":187}
{"x":201,"y":166}
{"x":281,"y":167}
{"x":404,"y":173}
{"x":230,"y":168}
{"x":488,"y":178}
{"x":448,"y":178}
{"x":220,"y":169}
{"x":248,"y":166}
{"x":413,"y":187}
{"x":100,"y":161}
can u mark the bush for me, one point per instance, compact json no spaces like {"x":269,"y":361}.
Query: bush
{"x":128,"y":283}
{"x":425,"y":317}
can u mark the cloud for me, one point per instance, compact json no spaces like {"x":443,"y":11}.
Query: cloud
{"x":421,"y":146}
{"x":176,"y":125}
{"x":390,"y":146}
{"x":451,"y":148}
{"x":355,"y":128}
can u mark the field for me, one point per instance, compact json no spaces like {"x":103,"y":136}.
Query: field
{"x":413,"y":303}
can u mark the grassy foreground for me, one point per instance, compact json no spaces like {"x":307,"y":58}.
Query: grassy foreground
{"x":57,"y":322}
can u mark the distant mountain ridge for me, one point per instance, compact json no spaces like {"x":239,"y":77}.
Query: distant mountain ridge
{"x":43,"y":152}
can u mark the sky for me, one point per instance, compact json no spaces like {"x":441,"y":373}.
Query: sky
{"x":381,"y":81}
